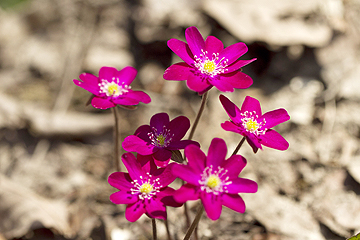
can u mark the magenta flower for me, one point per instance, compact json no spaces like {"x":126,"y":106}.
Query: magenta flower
{"x":207,"y":63}
{"x":159,"y":138}
{"x":112,"y":87}
{"x":213,"y":179}
{"x":255,"y":126}
{"x":144,"y":189}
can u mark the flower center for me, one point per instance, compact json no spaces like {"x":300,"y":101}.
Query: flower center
{"x":113,"y":88}
{"x":249,"y":122}
{"x":161,"y":139}
{"x":210,"y":67}
{"x":146,"y":188}
{"x":214,"y":181}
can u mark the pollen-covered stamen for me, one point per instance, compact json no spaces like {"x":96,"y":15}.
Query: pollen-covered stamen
{"x":147,"y":187}
{"x":214,"y":181}
{"x":211,"y":67}
{"x":251,"y":124}
{"x":113,"y":88}
{"x":162,"y":138}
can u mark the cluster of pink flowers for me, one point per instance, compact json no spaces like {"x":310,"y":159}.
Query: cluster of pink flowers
{"x":209,"y":177}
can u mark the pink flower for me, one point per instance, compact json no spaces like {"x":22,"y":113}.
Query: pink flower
{"x":213,"y":179}
{"x":144,"y":189}
{"x":112,"y":87}
{"x":255,"y":126}
{"x":207,"y":63}
{"x":159,"y":138}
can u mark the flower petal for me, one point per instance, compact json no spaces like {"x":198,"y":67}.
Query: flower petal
{"x":253,"y":141}
{"x":242,"y":185}
{"x":94,"y":89}
{"x":133,"y":143}
{"x":197,"y":82}
{"x":89,"y":79}
{"x":234,"y":202}
{"x":195,"y":40}
{"x":275,"y":117}
{"x":187,"y":192}
{"x":165,"y":175}
{"x":140,"y":96}
{"x":178,"y":127}
{"x":126,"y":75}
{"x":217,"y":153}
{"x":120,"y":180}
{"x":221,"y":85}
{"x":167,"y":197}
{"x":125,"y":101}
{"x":161,"y":164}
{"x":107,"y":73}
{"x":234,"y":165}
{"x":155,"y":209}
{"x":132,"y":165}
{"x":231,"y":109}
{"x":123,"y":197}
{"x":182,"y":144}
{"x":238,"y":64}
{"x":213,"y":45}
{"x":251,"y":104}
{"x":134,"y":211}
{"x":196,"y":159}
{"x":102,"y":103}
{"x":212,"y":205}
{"x":233,"y":52}
{"x":236,"y":79}
{"x":182,"y":50}
{"x":274,"y":140}
{"x":185,"y":173}
{"x":158,"y":121}
{"x":162,"y":154}
{"x":178,"y":72}
{"x":230,"y":126}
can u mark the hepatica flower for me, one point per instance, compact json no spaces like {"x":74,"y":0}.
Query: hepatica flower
{"x":207,"y":63}
{"x":144,"y":188}
{"x":255,"y":126}
{"x":213,"y":179}
{"x":159,"y":138}
{"x":112,"y":87}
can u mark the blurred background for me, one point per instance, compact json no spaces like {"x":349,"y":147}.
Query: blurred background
{"x":56,"y":153}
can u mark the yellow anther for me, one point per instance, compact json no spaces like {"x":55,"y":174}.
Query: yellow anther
{"x":161,"y":140}
{"x":113,"y":88}
{"x":252,"y":125}
{"x":213,"y":181}
{"x":209,"y":66}
{"x":146,"y":188}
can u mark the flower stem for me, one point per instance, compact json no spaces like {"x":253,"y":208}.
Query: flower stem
{"x":201,"y":109}
{"x":194,"y":223}
{"x":116,"y":139}
{"x":238,"y":146}
{"x":154,"y":228}
{"x":167,"y":230}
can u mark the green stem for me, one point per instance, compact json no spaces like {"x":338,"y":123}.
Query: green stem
{"x":238,"y":146}
{"x":116,"y":139}
{"x":194,"y":223}
{"x":201,"y":109}
{"x":154,"y":228}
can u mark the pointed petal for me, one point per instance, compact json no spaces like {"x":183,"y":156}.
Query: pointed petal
{"x":234,"y":165}
{"x":126,"y":75}
{"x":275,"y":117}
{"x":158,"y":121}
{"x":195,"y":40}
{"x":197,"y":82}
{"x":242,"y":185}
{"x":134,"y":211}
{"x":251,"y":104}
{"x":217,"y":153}
{"x":274,"y":140}
{"x":178,"y":72}
{"x":120,"y":180}
{"x":133,"y":143}
{"x":123,"y":197}
{"x":185,"y":173}
{"x":187,"y":192}
{"x":162,"y":154}
{"x":155,"y":209}
{"x":238,"y":64}
{"x":182,"y":50}
{"x":237,"y":79}
{"x":213,"y":45}
{"x":94,"y":89}
{"x":231,"y":109}
{"x":234,"y":202}
{"x":212,"y":205}
{"x":178,"y":127}
{"x":196,"y":159}
{"x":102,"y":103}
{"x":107,"y":73}
{"x":233,"y":52}
{"x":132,"y":165}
